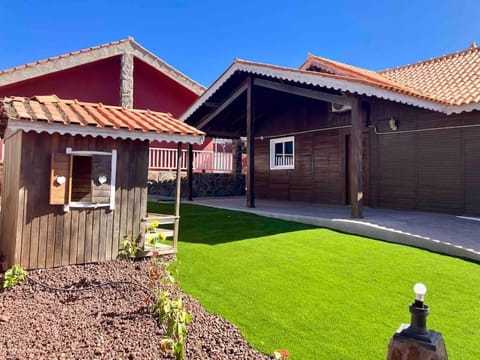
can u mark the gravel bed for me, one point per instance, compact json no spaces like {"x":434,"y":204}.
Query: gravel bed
{"x":108,"y":322}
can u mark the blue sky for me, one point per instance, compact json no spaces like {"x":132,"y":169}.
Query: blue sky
{"x":201,"y":38}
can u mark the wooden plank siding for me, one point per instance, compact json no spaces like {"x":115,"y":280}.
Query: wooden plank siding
{"x":471,"y":170}
{"x":39,"y":235}
{"x":319,"y":173}
{"x":11,"y":250}
{"x":435,"y":170}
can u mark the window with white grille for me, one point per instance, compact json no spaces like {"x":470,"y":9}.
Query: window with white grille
{"x":282,"y":153}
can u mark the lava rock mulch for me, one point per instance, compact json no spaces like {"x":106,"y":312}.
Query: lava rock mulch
{"x":108,"y":322}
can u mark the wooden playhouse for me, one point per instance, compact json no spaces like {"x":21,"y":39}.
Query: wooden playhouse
{"x":75,"y":178}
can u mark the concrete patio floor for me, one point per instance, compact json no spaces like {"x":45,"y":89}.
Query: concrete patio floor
{"x":448,"y":234}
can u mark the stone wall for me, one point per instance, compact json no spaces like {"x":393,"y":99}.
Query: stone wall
{"x":204,"y":184}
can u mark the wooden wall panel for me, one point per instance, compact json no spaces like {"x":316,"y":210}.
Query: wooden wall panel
{"x":43,"y":235}
{"x":397,"y":171}
{"x":262,"y":168}
{"x":328,"y":169}
{"x":317,"y":175}
{"x":472,"y":170}
{"x":408,"y":168}
{"x":440,"y":171}
{"x":301,"y":179}
{"x":9,"y":250}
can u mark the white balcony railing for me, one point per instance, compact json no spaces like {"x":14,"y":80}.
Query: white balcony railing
{"x":209,"y":161}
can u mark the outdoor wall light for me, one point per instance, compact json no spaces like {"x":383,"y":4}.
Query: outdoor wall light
{"x":393,"y":124}
{"x":60,"y":180}
{"x":102,"y":179}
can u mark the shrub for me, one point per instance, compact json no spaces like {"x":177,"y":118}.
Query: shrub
{"x":14,"y":276}
{"x":128,"y":248}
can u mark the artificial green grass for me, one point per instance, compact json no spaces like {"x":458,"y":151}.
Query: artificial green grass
{"x":318,"y":293}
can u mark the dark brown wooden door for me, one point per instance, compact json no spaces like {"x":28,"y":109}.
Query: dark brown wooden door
{"x":365,"y":169}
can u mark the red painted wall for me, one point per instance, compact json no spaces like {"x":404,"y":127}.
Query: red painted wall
{"x":94,"y":82}
{"x":100,"y":82}
{"x":155,"y":91}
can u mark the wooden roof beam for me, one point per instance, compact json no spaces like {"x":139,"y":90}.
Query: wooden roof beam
{"x":238,"y":91}
{"x":295,"y":90}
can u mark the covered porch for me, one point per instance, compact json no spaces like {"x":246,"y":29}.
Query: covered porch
{"x":443,"y":233}
{"x":309,"y":136}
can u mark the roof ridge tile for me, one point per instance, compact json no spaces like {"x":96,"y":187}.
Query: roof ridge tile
{"x":434,"y":59}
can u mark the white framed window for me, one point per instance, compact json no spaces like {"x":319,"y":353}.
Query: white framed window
{"x":282,"y":153}
{"x":83,"y":179}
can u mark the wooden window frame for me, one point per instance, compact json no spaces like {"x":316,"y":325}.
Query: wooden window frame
{"x":281,"y":140}
{"x":92,"y":205}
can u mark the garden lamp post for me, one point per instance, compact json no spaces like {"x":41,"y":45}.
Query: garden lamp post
{"x":415,"y":341}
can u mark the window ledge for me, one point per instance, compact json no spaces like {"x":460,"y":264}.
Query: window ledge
{"x":282,"y":167}
{"x":84,"y":205}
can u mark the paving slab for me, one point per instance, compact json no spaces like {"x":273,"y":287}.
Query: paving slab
{"x":448,"y":234}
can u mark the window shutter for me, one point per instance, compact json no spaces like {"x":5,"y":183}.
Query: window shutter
{"x":101,"y":178}
{"x":59,"y":179}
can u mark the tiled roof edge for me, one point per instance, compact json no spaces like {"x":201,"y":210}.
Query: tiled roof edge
{"x":357,"y":71}
{"x":431,"y":60}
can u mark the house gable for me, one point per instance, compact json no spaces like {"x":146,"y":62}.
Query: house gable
{"x":149,"y":90}
{"x":96,"y":53}
{"x":97,"y":81}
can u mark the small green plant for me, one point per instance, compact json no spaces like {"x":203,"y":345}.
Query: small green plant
{"x":128,"y":248}
{"x":171,"y":312}
{"x":14,"y":276}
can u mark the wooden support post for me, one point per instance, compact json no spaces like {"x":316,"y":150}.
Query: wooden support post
{"x":250,"y":180}
{"x":356,"y":156}
{"x":190,"y":173}
{"x":177,"y":196}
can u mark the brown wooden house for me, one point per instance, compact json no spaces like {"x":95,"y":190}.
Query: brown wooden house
{"x":76,"y":177}
{"x":337,"y":134}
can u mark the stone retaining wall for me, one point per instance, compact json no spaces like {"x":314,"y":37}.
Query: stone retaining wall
{"x":204,"y":184}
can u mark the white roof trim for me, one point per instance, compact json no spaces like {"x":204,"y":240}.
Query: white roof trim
{"x":86,"y":56}
{"x":62,"y":129}
{"x":316,"y":79}
{"x":457,"y":109}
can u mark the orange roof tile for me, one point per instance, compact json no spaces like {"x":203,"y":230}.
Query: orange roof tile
{"x":359,"y":77}
{"x":451,"y":79}
{"x":454,"y":78}
{"x":52,"y":110}
{"x":335,"y":68}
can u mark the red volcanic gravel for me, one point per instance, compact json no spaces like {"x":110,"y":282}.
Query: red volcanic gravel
{"x":108,"y":322}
